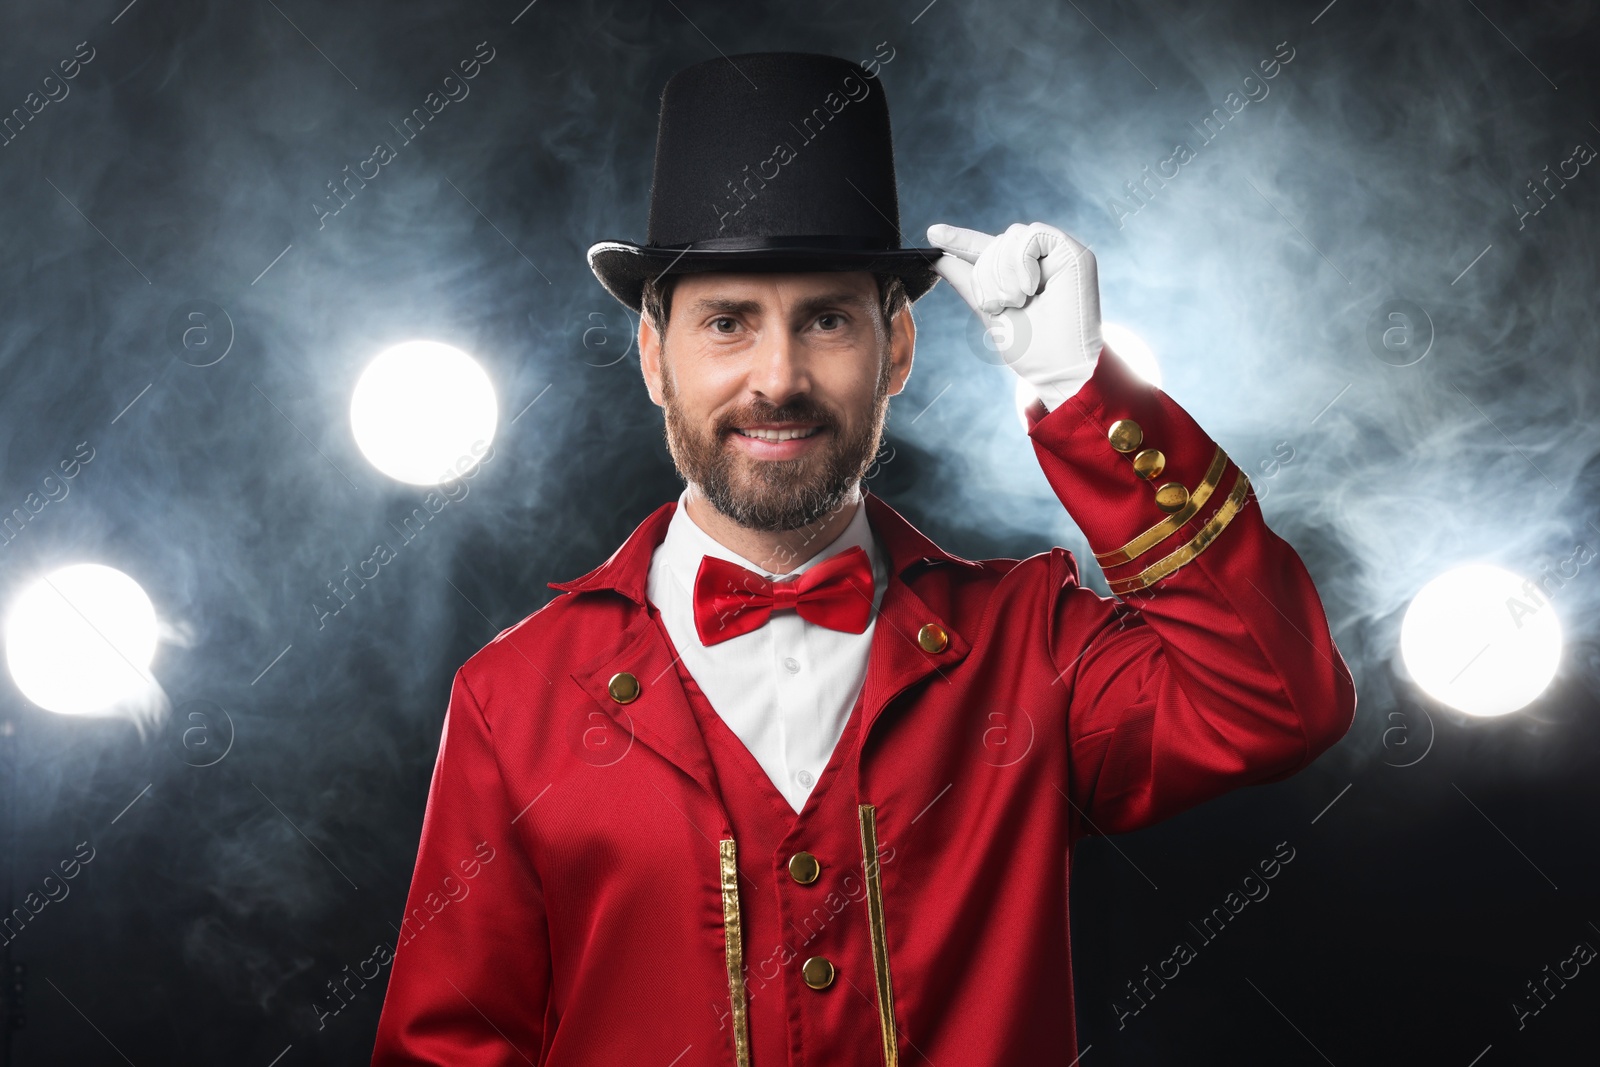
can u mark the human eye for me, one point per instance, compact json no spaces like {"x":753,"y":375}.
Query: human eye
{"x":830,"y":322}
{"x":723,"y":324}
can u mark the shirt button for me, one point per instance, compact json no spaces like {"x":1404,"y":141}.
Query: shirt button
{"x":817,"y":972}
{"x":805,"y":778}
{"x":791,"y":665}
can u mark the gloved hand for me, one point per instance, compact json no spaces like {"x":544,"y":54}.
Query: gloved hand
{"x":1041,"y":280}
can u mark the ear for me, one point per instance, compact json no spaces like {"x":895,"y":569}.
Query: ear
{"x":902,"y":344}
{"x":650,"y":359}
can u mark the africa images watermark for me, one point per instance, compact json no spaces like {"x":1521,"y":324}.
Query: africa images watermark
{"x":1548,"y":584}
{"x":1142,"y":193}
{"x":1544,"y":990}
{"x":1270,"y":467}
{"x":54,"y":488}
{"x":452,"y":488}
{"x":344,"y":987}
{"x":1254,"y":889}
{"x":55,"y":89}
{"x":55,"y":890}
{"x":851,"y":90}
{"x":852,"y":890}
{"x":455,"y":89}
{"x":1582,"y":155}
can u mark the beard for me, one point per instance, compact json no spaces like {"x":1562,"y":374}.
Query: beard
{"x":776,"y":495}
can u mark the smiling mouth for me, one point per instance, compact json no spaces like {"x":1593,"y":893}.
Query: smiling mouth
{"x":761,"y":433}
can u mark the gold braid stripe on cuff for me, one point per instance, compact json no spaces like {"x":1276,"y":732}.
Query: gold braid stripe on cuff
{"x":880,"y":946}
{"x":1171,"y":524}
{"x":1208,"y":533}
{"x":733,"y":941}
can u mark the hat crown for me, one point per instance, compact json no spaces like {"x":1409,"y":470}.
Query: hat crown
{"x":773,"y":145}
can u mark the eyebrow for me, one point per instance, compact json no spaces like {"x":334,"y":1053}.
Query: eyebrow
{"x":724,"y":304}
{"x":803,"y":308}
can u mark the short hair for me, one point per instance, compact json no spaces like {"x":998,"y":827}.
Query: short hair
{"x":656,"y":298}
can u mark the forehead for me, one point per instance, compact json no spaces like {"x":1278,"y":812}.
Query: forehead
{"x":773,"y":289}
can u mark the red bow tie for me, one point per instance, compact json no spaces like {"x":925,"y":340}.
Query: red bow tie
{"x":730,"y":600}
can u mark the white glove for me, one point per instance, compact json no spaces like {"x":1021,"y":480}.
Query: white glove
{"x":1036,"y":286}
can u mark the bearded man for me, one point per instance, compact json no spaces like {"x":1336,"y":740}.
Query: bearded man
{"x":782,"y":781}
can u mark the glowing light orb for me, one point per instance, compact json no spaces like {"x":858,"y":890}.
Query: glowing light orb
{"x":418,"y":410}
{"x":1132,"y":350}
{"x":1481,"y":640}
{"x":80,"y":640}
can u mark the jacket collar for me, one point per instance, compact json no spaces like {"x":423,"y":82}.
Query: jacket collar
{"x":628,"y":569}
{"x":660,"y":717}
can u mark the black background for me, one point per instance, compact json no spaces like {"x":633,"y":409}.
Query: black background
{"x":1458,"y":859}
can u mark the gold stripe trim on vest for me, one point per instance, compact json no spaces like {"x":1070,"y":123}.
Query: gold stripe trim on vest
{"x":880,"y":946}
{"x":1208,"y":533}
{"x":733,"y":943}
{"x":1169,"y":525}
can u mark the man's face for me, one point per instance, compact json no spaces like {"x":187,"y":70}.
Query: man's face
{"x":775,"y":388}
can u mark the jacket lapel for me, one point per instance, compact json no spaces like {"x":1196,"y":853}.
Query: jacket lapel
{"x":898,"y":661}
{"x":660,"y":716}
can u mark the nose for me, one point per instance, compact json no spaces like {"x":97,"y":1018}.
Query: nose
{"x":778,"y":369}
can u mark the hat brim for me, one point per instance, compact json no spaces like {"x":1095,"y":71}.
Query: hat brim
{"x":622,"y":267}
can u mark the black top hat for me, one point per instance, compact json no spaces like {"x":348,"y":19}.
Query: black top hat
{"x":771,"y":161}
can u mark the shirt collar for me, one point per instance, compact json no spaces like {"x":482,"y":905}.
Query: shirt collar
{"x":627,"y":569}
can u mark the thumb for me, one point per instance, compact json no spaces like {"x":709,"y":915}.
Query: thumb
{"x":958,"y":272}
{"x":958,"y":241}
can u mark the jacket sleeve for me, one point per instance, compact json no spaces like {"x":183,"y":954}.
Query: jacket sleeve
{"x":470,"y":979}
{"x":1217,"y":669}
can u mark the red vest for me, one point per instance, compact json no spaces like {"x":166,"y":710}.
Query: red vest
{"x":783,"y":921}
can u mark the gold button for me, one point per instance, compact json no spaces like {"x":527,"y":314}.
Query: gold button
{"x":804,"y":868}
{"x":624,"y":688}
{"x":1172,"y":497}
{"x":932,"y":638}
{"x":1125,"y":435}
{"x":817,"y":972}
{"x":1149,"y":463}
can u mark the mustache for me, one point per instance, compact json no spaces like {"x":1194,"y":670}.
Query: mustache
{"x":801,"y":411}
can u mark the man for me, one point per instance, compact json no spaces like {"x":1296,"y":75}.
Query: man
{"x":782,"y":781}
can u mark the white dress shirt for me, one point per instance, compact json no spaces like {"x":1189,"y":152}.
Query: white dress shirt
{"x":785,"y":688}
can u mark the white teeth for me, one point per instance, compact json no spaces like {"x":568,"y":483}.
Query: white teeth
{"x":778,"y":435}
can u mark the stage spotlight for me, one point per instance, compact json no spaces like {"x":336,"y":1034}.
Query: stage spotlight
{"x":1132,"y":350}
{"x":80,"y":640}
{"x":1481,"y":640}
{"x":418,"y":410}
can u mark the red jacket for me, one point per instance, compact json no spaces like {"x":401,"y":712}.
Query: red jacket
{"x":1007,"y":711}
